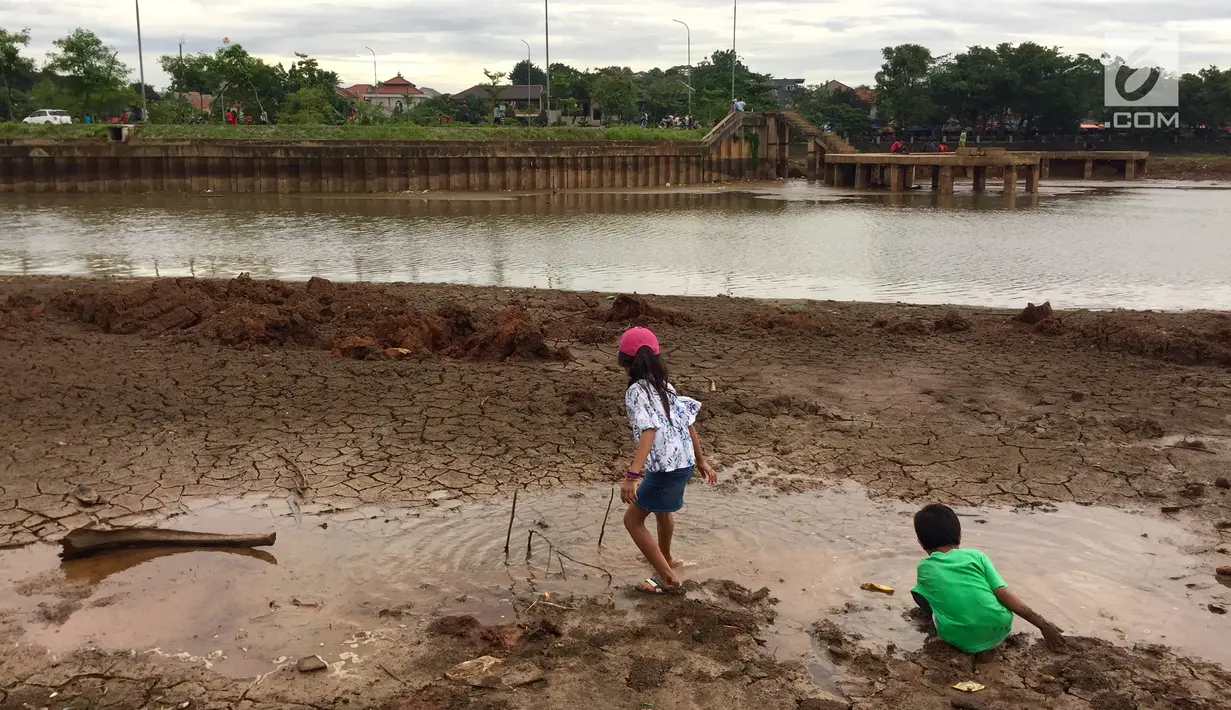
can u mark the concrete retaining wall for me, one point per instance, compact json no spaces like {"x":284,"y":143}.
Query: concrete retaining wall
{"x":94,"y":166}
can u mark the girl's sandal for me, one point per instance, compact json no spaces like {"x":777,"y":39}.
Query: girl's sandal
{"x":653,"y":585}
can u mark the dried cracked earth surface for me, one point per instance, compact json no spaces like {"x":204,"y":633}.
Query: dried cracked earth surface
{"x":154,"y":393}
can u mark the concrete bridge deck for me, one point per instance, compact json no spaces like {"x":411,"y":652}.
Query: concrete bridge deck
{"x":1085,"y":164}
{"x":897,"y":171}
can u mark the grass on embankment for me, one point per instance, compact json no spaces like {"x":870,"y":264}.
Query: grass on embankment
{"x":391,"y":131}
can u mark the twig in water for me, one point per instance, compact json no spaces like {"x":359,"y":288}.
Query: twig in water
{"x":529,"y":539}
{"x":389,"y":673}
{"x":508,"y":536}
{"x":574,"y":560}
{"x":301,"y":480}
{"x":603,"y":531}
{"x":558,"y":606}
{"x":563,"y":574}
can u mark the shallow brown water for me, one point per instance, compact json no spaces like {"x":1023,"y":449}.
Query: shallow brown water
{"x":336,"y":581}
{"x":1139,"y":245}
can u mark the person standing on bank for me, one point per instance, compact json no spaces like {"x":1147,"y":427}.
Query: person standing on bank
{"x":668,"y":451}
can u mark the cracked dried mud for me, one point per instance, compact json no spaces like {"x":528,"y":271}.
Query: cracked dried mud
{"x":324,"y":410}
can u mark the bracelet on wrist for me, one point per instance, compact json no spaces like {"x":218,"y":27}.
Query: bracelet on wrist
{"x":633,"y":474}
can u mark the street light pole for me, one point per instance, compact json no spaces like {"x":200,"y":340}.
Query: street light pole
{"x":528,"y":65}
{"x":547,"y":57}
{"x":375,"y":81}
{"x":145,"y":108}
{"x":734,"y":11}
{"x":688,"y":33}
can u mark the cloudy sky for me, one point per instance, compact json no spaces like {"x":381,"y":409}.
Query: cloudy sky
{"x":446,"y":45}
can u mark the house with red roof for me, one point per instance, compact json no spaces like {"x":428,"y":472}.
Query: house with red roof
{"x":199,"y":101}
{"x":392,"y":94}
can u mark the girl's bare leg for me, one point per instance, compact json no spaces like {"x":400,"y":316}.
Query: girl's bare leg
{"x":666,"y":529}
{"x":634,"y":522}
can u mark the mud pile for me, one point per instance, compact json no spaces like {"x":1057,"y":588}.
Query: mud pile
{"x":636,"y":310}
{"x":1086,"y":673}
{"x":352,"y":320}
{"x":1188,"y":339}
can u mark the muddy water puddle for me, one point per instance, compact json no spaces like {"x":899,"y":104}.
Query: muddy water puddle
{"x":340,"y":582}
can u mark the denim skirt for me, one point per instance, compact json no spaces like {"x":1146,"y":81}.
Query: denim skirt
{"x":663,"y":492}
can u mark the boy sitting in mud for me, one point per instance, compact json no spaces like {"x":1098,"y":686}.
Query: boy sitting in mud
{"x":960,"y":589}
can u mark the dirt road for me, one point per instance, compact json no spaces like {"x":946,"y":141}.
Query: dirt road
{"x":153,"y":393}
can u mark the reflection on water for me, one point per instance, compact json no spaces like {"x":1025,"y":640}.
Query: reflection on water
{"x":1141,"y":246}
{"x":362,"y":573}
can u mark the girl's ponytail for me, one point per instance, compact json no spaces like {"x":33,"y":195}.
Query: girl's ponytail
{"x":645,"y":365}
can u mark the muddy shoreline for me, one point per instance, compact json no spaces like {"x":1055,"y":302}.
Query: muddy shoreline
{"x":158,"y":393}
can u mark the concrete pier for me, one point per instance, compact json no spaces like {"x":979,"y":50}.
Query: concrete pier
{"x":855,"y":169}
{"x":1092,"y":164}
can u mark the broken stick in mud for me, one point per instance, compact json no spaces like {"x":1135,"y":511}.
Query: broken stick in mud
{"x":84,"y":542}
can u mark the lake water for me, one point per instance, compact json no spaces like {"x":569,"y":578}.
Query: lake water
{"x":1148,"y":245}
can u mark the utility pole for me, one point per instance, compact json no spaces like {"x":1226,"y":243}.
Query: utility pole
{"x":375,"y":81}
{"x":734,"y":11}
{"x":688,"y":33}
{"x":145,"y":108}
{"x":547,"y":53}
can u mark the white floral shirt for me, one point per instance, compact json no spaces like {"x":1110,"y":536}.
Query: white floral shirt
{"x":672,"y":448}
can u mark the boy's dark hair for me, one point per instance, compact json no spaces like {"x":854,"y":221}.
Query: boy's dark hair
{"x":647,"y":366}
{"x":937,"y":526}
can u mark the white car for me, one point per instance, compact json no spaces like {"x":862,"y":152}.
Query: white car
{"x":48,"y":115}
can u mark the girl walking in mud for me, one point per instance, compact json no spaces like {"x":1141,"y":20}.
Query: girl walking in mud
{"x":668,"y":451}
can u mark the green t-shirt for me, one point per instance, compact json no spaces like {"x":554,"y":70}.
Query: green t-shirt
{"x":958,"y":585}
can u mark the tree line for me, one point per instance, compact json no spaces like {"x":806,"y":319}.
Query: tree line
{"x":82,"y":75}
{"x":1023,"y":87}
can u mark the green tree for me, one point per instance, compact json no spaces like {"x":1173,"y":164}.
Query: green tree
{"x":172,"y":108}
{"x":711,"y":82}
{"x":903,"y":93}
{"x":526,"y":73}
{"x":308,"y":105}
{"x":842,"y":111}
{"x":234,"y":76}
{"x":89,"y":77}
{"x":17,"y":73}
{"x":616,"y":91}
{"x":1205,"y":99}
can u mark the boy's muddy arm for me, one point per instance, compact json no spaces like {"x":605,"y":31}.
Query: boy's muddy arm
{"x":707,"y":471}
{"x":1010,"y":601}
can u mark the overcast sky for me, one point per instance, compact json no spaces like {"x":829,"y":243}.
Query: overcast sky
{"x":446,"y":45}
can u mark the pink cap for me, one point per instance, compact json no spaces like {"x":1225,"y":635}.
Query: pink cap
{"x":636,"y":338}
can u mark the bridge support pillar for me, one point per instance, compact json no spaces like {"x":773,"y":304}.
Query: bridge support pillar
{"x":1032,"y":178}
{"x":944,"y":175}
{"x":980,"y":178}
{"x":1088,"y":169}
{"x":1010,"y":179}
{"x":861,"y":176}
{"x":897,"y":178}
